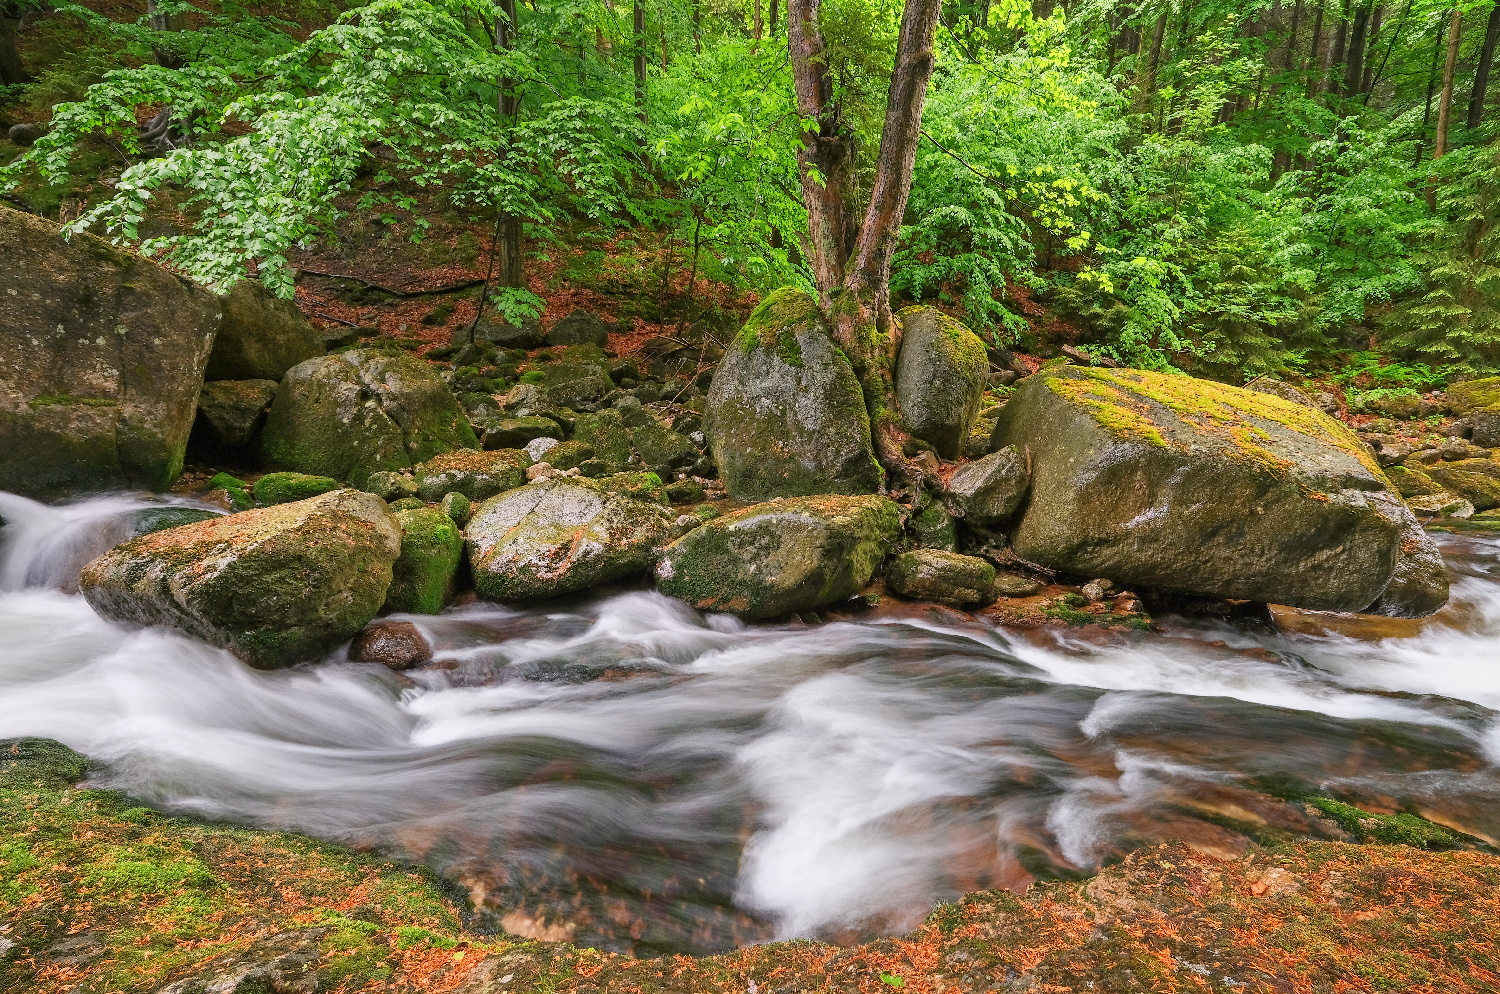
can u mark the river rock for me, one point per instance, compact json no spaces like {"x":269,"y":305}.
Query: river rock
{"x":945,"y":577}
{"x":516,"y":433}
{"x":1184,"y":485}
{"x":104,"y":353}
{"x":940,"y":377}
{"x":785,"y":415}
{"x":431,"y":549}
{"x":1475,"y":480}
{"x":233,"y":410}
{"x":262,"y":336}
{"x":283,"y":488}
{"x":362,"y":412}
{"x":275,"y":586}
{"x":1441,"y":505}
{"x":990,"y":490}
{"x":476,"y":475}
{"x":560,"y":536}
{"x":1411,"y":480}
{"x":397,"y":644}
{"x":786,"y":555}
{"x":155,"y":519}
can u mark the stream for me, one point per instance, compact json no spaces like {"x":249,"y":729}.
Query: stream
{"x":627,"y":773}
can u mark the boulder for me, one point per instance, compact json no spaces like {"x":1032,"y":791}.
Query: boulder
{"x":275,"y":586}
{"x":104,"y":354}
{"x":786,"y":555}
{"x":1441,"y":505}
{"x":1184,"y":485}
{"x":362,"y":412}
{"x":932,"y":527}
{"x":431,"y":550}
{"x":397,"y":644}
{"x":1475,"y":480}
{"x":579,"y":328}
{"x":499,"y":332}
{"x":515,"y":433}
{"x":1279,"y":388}
{"x":569,"y":384}
{"x":663,"y":449}
{"x":945,"y":577}
{"x":155,"y":519}
{"x":1015,"y":585}
{"x":476,"y":475}
{"x":1474,"y":395}
{"x":233,"y":410}
{"x":607,"y":436}
{"x":785,"y":415}
{"x":1412,"y":480}
{"x":991,"y":490}
{"x":561,"y":536}
{"x":283,"y":488}
{"x":261,"y":337}
{"x":940,"y":378}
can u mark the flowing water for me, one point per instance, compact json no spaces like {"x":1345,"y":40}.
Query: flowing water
{"x":631,"y":774}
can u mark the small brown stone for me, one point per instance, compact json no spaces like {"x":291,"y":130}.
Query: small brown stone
{"x":396,"y":644}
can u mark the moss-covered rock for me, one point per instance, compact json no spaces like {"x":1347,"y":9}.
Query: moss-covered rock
{"x":232,"y":410}
{"x":945,"y":577}
{"x":785,"y":415}
{"x":431,"y":549}
{"x":1475,"y":480}
{"x":644,"y":486}
{"x":103,"y":356}
{"x":932,"y":527}
{"x":155,"y":519}
{"x":236,"y":492}
{"x":662,"y":449}
{"x":940,"y":375}
{"x":607,"y":435}
{"x":362,"y":412}
{"x":1181,"y":484}
{"x":476,"y":475}
{"x":515,"y":433}
{"x":786,"y":555}
{"x":1411,"y":479}
{"x":283,"y":488}
{"x":261,"y":336}
{"x":561,"y":536}
{"x":276,"y":586}
{"x":1473,"y":395}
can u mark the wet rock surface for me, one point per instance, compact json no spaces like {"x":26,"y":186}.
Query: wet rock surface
{"x":397,"y":644}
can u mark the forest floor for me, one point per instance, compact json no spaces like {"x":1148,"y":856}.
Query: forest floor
{"x":98,"y":895}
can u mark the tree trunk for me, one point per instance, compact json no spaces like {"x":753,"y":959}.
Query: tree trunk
{"x":851,"y":260}
{"x":1336,"y":57}
{"x":776,"y":15}
{"x":1482,"y":71}
{"x":1367,"y":79}
{"x":1445,"y":102}
{"x":1146,"y":79}
{"x":508,"y":246}
{"x":1315,"y":55}
{"x":758,"y":26}
{"x":640,"y":58}
{"x":1432,"y":78}
{"x":1354,"y":64}
{"x":12,"y":69}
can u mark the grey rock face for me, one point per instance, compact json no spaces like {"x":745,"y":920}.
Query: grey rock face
{"x":261,"y":337}
{"x":579,"y":328}
{"x":233,"y":410}
{"x":991,"y":490}
{"x":785,"y":414}
{"x":560,"y":536}
{"x":104,"y":353}
{"x":940,"y":378}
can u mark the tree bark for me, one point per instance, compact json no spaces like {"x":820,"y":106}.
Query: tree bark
{"x":1367,"y":78}
{"x":1432,"y":82}
{"x":639,"y":25}
{"x":1445,"y":102}
{"x":508,"y":246}
{"x":1354,"y":58}
{"x":12,"y":68}
{"x":1482,"y":71}
{"x":758,"y":26}
{"x":1146,"y":82}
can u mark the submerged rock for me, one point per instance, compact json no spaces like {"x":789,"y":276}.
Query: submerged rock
{"x":940,"y":376}
{"x":791,"y":554}
{"x":431,"y":549}
{"x":275,"y":586}
{"x":103,"y":356}
{"x":560,"y":536}
{"x":362,"y":412}
{"x":945,"y":577}
{"x":233,"y":410}
{"x":785,"y":414}
{"x":1196,"y":487}
{"x":261,"y":336}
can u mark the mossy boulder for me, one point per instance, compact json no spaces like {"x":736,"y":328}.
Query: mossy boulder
{"x":515,"y":433}
{"x":579,"y":328}
{"x":785,"y":415}
{"x":1180,"y":484}
{"x":362,"y":412}
{"x":104,"y":353}
{"x":644,"y":486}
{"x":1411,"y":479}
{"x":607,"y":435}
{"x":431,"y":549}
{"x":561,"y":536}
{"x":663,"y":449}
{"x":786,"y":555}
{"x":283,"y":488}
{"x":945,"y":577}
{"x":275,"y":586}
{"x":1476,"y":480}
{"x":261,"y":336}
{"x":476,"y":475}
{"x":940,"y":375}
{"x":1473,"y":395}
{"x":155,"y":519}
{"x":232,"y":411}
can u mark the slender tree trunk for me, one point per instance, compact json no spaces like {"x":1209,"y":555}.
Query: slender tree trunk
{"x":639,"y":26}
{"x":1336,"y":57}
{"x":758,"y":26}
{"x":12,"y":68}
{"x":1367,"y":78}
{"x":1450,"y":67}
{"x":1432,"y":78}
{"x":1145,"y":87}
{"x":776,"y":15}
{"x":1354,"y":65}
{"x":1315,"y":55}
{"x":508,"y":246}
{"x":1482,"y":71}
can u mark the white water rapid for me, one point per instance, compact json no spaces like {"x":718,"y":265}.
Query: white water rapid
{"x":635,"y":775}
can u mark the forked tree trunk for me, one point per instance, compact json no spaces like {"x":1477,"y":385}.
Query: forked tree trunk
{"x":851,"y":255}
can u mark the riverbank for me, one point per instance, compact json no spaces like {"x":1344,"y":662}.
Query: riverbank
{"x":100,"y":895}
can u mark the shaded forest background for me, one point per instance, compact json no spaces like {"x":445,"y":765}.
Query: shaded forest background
{"x":1222,"y":187}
